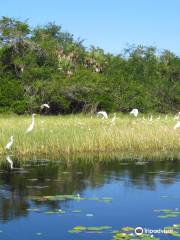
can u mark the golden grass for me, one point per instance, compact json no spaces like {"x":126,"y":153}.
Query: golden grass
{"x":77,"y":134}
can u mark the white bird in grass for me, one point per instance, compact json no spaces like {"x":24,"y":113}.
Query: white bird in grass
{"x":31,"y":126}
{"x":151,"y":118}
{"x":177,"y":116}
{"x":134,"y":112}
{"x":9,"y":144}
{"x":103,"y":113}
{"x":9,"y":161}
{"x":45,"y":105}
{"x":177,"y":125}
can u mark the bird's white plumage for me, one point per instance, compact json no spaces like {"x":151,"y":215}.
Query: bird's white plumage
{"x":31,"y":126}
{"x":177,"y":125}
{"x":9,"y":144}
{"x":176,"y":117}
{"x":103,"y":114}
{"x":45,"y":105}
{"x":134,"y":112}
{"x":151,"y":118}
{"x":9,"y":161}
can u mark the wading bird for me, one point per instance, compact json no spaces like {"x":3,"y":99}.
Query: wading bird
{"x":9,"y":144}
{"x":134,"y":112}
{"x":177,"y":125}
{"x":31,"y":126}
{"x":151,"y":118}
{"x":103,"y":113}
{"x":9,"y":161}
{"x":177,"y":116}
{"x":45,"y":105}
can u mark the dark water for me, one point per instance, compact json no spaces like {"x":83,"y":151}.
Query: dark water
{"x":115,"y":194}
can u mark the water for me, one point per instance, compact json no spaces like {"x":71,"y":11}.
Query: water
{"x":115,"y":194}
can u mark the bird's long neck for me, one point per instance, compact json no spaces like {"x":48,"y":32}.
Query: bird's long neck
{"x":32,"y":119}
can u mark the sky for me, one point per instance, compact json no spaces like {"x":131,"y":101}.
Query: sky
{"x":109,"y":24}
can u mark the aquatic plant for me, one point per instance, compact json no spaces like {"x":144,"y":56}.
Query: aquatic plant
{"x":167,"y":213}
{"x":128,"y":233}
{"x":78,"y":229}
{"x":173,"y":230}
{"x":67,"y":197}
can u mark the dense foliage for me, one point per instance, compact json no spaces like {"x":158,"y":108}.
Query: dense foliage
{"x":46,"y":65}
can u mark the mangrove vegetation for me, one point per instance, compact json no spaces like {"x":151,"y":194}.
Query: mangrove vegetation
{"x":46,"y":64}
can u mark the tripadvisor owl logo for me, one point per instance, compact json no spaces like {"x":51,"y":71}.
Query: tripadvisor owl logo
{"x":139,"y":231}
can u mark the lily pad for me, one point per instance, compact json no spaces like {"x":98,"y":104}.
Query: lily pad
{"x":96,"y":229}
{"x":168,"y":213}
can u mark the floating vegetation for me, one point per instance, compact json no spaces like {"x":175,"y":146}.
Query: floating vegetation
{"x":168,"y":213}
{"x":98,"y":229}
{"x":67,"y":197}
{"x":76,"y":211}
{"x":173,"y":230}
{"x":168,"y":216}
{"x":168,"y":197}
{"x":128,"y":233}
{"x":127,"y":229}
{"x":55,"y":211}
{"x":89,"y":215}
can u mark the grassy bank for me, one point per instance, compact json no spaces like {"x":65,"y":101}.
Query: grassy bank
{"x":78,"y":134}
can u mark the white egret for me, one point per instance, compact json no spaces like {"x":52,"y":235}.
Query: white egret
{"x":103,"y":113}
{"x":176,"y":117}
{"x":31,"y":126}
{"x":151,"y":118}
{"x":177,"y":125}
{"x":45,"y":105}
{"x":9,"y":144}
{"x":9,"y":161}
{"x":134,"y":112}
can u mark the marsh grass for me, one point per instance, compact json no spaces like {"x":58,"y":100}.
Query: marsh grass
{"x":83,"y":134}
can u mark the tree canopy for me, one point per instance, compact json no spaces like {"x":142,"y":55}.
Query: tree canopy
{"x":47,"y":65}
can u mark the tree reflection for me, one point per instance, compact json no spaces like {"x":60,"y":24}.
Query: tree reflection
{"x":16,"y":188}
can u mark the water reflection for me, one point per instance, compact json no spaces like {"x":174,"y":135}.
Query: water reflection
{"x":16,"y":187}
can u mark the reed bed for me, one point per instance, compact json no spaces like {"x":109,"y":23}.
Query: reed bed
{"x":83,"y":134}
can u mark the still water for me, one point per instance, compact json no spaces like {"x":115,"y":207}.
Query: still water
{"x":44,"y":200}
